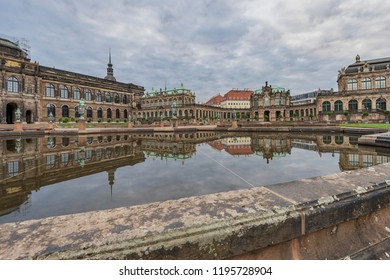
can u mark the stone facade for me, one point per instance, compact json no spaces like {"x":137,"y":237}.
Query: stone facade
{"x":42,"y":92}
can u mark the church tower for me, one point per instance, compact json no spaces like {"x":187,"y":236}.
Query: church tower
{"x":110,"y":70}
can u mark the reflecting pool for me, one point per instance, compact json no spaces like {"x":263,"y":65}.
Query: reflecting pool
{"x":51,"y":176}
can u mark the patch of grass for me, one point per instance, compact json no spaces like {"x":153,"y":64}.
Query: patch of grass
{"x":368,"y":125}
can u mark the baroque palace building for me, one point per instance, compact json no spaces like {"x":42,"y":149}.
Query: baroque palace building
{"x":45,"y":92}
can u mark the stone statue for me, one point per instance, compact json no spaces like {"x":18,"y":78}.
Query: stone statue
{"x":82,"y":108}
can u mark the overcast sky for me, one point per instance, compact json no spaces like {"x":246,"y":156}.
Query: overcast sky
{"x":210,"y":46}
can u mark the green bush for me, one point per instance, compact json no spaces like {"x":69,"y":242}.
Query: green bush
{"x":60,"y":120}
{"x":108,"y":120}
{"x":89,"y":120}
{"x":65,"y":120}
{"x":118,"y":120}
{"x":346,"y":113}
{"x":100,"y":120}
{"x":72,"y":119}
{"x":365,"y":114}
{"x":387,"y":112}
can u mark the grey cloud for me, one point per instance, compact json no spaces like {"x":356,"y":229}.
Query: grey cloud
{"x":211,"y":46}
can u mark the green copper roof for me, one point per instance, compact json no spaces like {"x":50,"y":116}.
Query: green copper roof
{"x":168,"y":92}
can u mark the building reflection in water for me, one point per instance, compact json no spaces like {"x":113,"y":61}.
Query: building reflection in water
{"x":29,"y":164}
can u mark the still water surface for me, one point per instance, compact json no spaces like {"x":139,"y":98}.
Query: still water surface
{"x":52,"y":176}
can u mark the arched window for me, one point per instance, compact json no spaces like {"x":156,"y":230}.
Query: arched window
{"x":125,"y":99}
{"x":13,"y":84}
{"x":65,"y":111}
{"x":109,"y":114}
{"x":51,"y":109}
{"x":380,"y":82}
{"x":277,"y":100}
{"x":88,"y":95}
{"x":100,"y":113}
{"x":108,"y":97}
{"x":339,"y":139}
{"x":98,"y":96}
{"x":327,"y":139}
{"x":381,"y":104}
{"x":266,"y":101}
{"x":366,"y":104}
{"x":50,"y":90}
{"x":116,"y":98}
{"x":326,"y":106}
{"x":89,"y":112}
{"x":118,"y":114}
{"x":353,"y":106}
{"x":77,"y":112}
{"x":76,"y":94}
{"x":64,"y":92}
{"x":366,"y":83}
{"x":352,"y":84}
{"x":125,"y":114}
{"x":338,"y":106}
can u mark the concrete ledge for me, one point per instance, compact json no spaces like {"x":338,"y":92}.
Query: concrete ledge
{"x":215,"y":226}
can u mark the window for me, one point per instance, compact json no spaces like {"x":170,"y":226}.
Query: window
{"x":326,"y":106}
{"x":50,"y":161}
{"x":116,"y":98}
{"x":76,"y":94}
{"x":65,"y":111}
{"x":109,"y":116}
{"x":266,"y":101}
{"x":338,"y":106}
{"x":277,"y":100}
{"x":353,"y":159}
{"x":352,"y":84}
{"x":51,"y":109}
{"x":381,"y":104}
{"x":118,"y":114}
{"x":88,"y":95}
{"x":100,"y":113}
{"x":353,"y":106}
{"x":380,"y":82}
{"x":367,"y":104}
{"x":89,"y":112}
{"x":339,"y":139}
{"x":77,"y":112}
{"x":108,"y":97}
{"x":50,"y":91}
{"x":125,"y":114}
{"x":64,"y":92}
{"x":64,"y":159}
{"x":327,"y":139}
{"x":13,"y":168}
{"x":366,"y":83}
{"x":13,"y":85}
{"x":98,"y":96}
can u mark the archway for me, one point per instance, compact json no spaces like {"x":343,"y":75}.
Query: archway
{"x":10,"y":112}
{"x":29,"y":116}
{"x":266,"y":116}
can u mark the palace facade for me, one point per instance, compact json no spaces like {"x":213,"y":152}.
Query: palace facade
{"x":42,"y":92}
{"x":45,"y":94}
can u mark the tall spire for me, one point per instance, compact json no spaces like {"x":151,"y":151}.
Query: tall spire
{"x":110,"y":70}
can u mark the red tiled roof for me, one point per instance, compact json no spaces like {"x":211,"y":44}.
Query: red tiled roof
{"x":215,"y":100}
{"x":239,"y":150}
{"x":238,"y":95}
